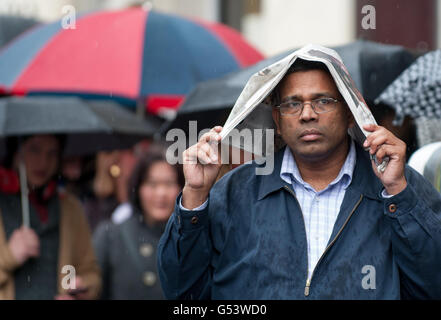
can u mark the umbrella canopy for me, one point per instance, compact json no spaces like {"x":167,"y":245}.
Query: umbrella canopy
{"x":89,"y":126}
{"x":372,"y":66}
{"x":12,"y":26}
{"x":131,"y":55}
{"x":417,"y":91}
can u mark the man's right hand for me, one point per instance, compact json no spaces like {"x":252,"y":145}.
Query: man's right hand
{"x":202,"y":164}
{"x":24,"y":244}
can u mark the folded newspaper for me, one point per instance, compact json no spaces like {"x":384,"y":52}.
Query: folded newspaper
{"x":252,"y":111}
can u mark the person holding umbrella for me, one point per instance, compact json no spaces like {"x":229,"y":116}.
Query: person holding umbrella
{"x":35,"y":254}
{"x":62,"y":262}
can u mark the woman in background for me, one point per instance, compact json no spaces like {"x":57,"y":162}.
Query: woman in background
{"x":36,"y":261}
{"x":127,"y":251}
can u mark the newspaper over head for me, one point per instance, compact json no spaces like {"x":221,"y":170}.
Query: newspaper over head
{"x":252,"y":111}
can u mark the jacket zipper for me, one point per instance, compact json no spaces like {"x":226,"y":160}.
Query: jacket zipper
{"x":304,"y":226}
{"x":308,"y":280}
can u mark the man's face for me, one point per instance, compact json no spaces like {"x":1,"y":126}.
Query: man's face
{"x":312,"y":136}
{"x":40,"y":155}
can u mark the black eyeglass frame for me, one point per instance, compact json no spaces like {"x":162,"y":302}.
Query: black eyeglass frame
{"x":313,"y":105}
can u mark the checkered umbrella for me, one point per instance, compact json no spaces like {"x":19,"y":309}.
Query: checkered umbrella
{"x":417,"y":91}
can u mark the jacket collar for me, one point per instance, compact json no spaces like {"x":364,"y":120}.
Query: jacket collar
{"x":363,"y":180}
{"x":272,"y":182}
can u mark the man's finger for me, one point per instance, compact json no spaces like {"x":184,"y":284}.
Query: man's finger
{"x":368,"y":140}
{"x":203,"y":157}
{"x":377,"y":143}
{"x":190,"y":156}
{"x":382,"y":151}
{"x":387,"y":138}
{"x":379,"y":137}
{"x":371,"y":127}
{"x":375,"y":132}
{"x":209,"y":150}
{"x":210,"y":136}
{"x":391,"y":151}
{"x":217,"y":129}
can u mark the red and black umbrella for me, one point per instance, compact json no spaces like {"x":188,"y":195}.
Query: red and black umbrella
{"x":129,"y":55}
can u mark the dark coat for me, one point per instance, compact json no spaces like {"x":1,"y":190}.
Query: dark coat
{"x":127,"y":253}
{"x":250,"y":242}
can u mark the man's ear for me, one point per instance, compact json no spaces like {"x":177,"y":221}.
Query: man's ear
{"x":276,"y":118}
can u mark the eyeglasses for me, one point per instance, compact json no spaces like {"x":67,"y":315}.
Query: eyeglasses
{"x":321,"y":105}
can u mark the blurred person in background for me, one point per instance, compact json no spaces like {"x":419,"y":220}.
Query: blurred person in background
{"x":101,"y":197}
{"x":427,"y":162}
{"x":77,"y":172}
{"x":127,"y":250}
{"x":107,"y":195}
{"x":32,"y":259}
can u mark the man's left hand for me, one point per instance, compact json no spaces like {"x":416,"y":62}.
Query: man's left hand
{"x":383,"y":143}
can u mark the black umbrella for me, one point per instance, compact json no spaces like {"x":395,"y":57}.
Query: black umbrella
{"x":373,"y":66}
{"x":12,"y":26}
{"x":89,"y":126}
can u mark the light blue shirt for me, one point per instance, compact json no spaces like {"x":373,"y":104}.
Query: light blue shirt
{"x":320,"y":209}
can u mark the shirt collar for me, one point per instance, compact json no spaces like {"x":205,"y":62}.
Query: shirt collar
{"x":290,"y":173}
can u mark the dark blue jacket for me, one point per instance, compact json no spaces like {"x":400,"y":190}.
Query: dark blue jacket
{"x":250,"y":242}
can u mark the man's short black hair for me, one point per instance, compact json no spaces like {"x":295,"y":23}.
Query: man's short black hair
{"x":298,"y":65}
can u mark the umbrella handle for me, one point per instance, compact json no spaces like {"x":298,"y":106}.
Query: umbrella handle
{"x":24,"y":194}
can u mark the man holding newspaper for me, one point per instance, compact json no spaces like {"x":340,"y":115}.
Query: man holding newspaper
{"x":339,"y":217}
